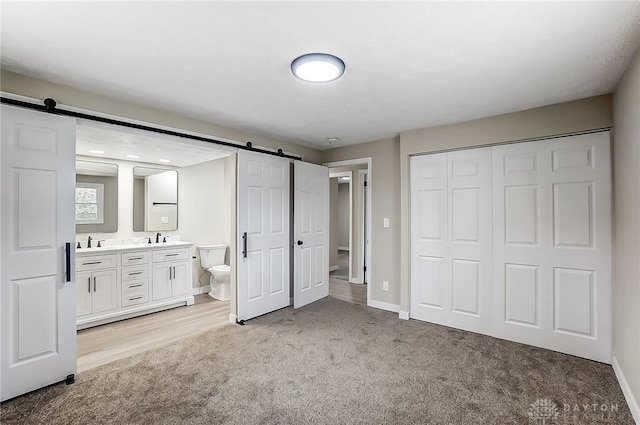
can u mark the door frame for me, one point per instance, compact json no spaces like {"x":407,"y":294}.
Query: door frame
{"x":368,"y":247}
{"x":350,"y":175}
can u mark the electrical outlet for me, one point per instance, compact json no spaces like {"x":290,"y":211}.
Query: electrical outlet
{"x":385,"y":286}
{"x":164,"y":220}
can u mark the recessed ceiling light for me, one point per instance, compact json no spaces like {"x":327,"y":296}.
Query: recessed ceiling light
{"x":133,"y":156}
{"x":164,"y":160}
{"x":318,"y":67}
{"x":96,"y":151}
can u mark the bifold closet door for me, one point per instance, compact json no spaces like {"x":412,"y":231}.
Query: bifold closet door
{"x":451,"y":223}
{"x":263,"y":234}
{"x":552,"y":244}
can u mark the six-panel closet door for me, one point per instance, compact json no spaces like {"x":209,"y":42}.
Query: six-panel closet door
{"x":552,"y":244}
{"x":451,"y":239}
{"x":514,"y":241}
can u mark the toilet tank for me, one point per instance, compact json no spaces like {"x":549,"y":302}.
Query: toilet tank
{"x":212,"y":255}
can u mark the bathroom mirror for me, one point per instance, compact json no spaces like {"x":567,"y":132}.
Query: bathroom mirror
{"x":155,"y":199}
{"x":96,"y":197}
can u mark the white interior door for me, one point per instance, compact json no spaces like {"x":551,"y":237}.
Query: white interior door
{"x":263,"y":234}
{"x":311,"y":233}
{"x":451,"y":239}
{"x":37,"y":171}
{"x":552,"y":254}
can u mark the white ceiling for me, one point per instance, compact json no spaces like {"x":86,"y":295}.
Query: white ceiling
{"x":409,"y":64}
{"x":119,"y":144}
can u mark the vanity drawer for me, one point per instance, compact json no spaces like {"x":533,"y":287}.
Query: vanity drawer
{"x":128,"y":300}
{"x":135,"y":287}
{"x":133,"y":258}
{"x":171,"y":254}
{"x":95,"y":262}
{"x":135,"y":272}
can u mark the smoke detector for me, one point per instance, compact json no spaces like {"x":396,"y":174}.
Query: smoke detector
{"x":332,"y":141}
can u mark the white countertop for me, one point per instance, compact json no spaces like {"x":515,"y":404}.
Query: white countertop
{"x":133,"y":247}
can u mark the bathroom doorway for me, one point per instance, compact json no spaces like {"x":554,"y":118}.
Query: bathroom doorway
{"x":199,"y":211}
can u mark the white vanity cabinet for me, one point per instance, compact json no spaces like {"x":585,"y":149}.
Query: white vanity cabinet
{"x":171,"y":273}
{"x":129,"y":281}
{"x":96,"y":282}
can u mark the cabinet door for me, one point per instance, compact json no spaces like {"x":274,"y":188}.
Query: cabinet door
{"x":179,"y":283}
{"x":84,"y":291}
{"x":161,"y":282}
{"x":104,"y":285}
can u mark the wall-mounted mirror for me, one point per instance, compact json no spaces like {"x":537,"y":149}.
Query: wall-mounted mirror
{"x":96,"y":197}
{"x":155,"y":199}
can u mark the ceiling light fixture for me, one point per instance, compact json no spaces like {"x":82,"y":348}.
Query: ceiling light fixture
{"x":133,"y":156}
{"x":318,"y":67}
{"x":96,"y":151}
{"x":164,"y":160}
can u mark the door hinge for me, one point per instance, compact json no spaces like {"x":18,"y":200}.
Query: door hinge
{"x":365,"y":184}
{"x":364,"y":268}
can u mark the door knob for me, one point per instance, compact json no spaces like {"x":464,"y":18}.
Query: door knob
{"x":299,"y":242}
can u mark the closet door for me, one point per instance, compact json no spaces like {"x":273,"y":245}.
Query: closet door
{"x":451,"y":239}
{"x":552,"y":251}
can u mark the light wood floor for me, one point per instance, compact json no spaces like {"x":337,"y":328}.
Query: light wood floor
{"x":113,"y":341}
{"x":107,"y":343}
{"x":345,"y":291}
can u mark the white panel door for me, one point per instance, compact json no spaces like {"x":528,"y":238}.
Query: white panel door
{"x":470,"y":239}
{"x":311,"y":233}
{"x":430,"y":272}
{"x":451,"y":222}
{"x":263,"y":234}
{"x":552,"y":250}
{"x":37,"y":172}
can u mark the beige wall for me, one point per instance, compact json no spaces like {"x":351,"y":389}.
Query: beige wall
{"x":384,"y":181}
{"x":19,"y":84}
{"x":579,"y":115}
{"x":626,"y":239}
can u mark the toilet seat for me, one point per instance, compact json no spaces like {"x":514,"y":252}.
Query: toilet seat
{"x":222,"y":269}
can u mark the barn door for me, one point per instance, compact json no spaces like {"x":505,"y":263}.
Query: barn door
{"x":311,"y":233}
{"x":263,"y":234}
{"x":38,"y":229}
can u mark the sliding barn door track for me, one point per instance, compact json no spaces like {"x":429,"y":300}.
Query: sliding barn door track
{"x":50,"y":108}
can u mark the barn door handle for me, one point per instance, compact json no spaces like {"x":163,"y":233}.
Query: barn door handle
{"x":244,"y":245}
{"x":67,"y":261}
{"x":299,"y":242}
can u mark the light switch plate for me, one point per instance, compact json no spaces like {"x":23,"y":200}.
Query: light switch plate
{"x":385,"y":286}
{"x":386,"y":222}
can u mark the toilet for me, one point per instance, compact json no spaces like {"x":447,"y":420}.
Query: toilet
{"x":212,"y":260}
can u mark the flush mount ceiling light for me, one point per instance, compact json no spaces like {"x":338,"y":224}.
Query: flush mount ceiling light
{"x":133,"y":156}
{"x":96,"y":151}
{"x":317,"y":67}
{"x":166,"y":161}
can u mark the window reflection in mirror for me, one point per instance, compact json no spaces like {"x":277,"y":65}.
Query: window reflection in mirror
{"x":155,"y":199}
{"x":96,"y":197}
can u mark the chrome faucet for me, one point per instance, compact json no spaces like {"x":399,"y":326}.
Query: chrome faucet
{"x":158,"y":237}
{"x":89,"y":242}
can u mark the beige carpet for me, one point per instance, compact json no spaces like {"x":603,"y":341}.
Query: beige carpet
{"x":332,"y":363}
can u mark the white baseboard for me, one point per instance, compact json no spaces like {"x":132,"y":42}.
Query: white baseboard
{"x":404,"y":315}
{"x":343,"y":248}
{"x":332,"y":268}
{"x":232,"y":318}
{"x":384,"y":306}
{"x":626,"y":390}
{"x":358,"y":281}
{"x":201,"y":290}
